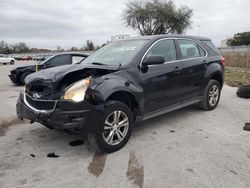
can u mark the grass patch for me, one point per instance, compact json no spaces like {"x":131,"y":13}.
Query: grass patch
{"x":235,"y":76}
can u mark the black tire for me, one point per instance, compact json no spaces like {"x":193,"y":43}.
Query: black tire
{"x":23,"y":76}
{"x":98,"y":141}
{"x":243,"y":91}
{"x":12,"y":62}
{"x":205,"y":104}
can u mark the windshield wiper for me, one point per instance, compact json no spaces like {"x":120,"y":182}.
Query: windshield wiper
{"x":98,"y":63}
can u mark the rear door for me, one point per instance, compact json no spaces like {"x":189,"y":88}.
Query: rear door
{"x":193,"y":67}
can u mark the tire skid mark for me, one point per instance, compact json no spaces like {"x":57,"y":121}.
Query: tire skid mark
{"x":97,"y":164}
{"x":135,"y":171}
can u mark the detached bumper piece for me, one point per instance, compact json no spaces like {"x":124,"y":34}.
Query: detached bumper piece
{"x":61,"y":114}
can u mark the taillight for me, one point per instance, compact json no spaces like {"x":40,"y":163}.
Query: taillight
{"x":222,"y":61}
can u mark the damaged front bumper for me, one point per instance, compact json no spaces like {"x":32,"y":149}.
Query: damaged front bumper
{"x":61,"y":114}
{"x":13,"y":78}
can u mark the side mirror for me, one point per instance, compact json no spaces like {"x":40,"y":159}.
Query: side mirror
{"x":44,"y":66}
{"x":153,"y":60}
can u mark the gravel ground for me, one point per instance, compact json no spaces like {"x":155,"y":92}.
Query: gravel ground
{"x":185,"y":148}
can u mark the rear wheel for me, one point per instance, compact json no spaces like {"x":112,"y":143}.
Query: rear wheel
{"x":117,"y":128}
{"x":12,"y":62}
{"x":211,"y":95}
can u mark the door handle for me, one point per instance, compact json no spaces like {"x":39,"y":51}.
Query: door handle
{"x":205,"y":63}
{"x":177,"y":70}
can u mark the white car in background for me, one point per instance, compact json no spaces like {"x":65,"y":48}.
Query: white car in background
{"x":4,"y":59}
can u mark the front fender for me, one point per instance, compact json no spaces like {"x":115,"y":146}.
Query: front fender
{"x":110,"y":86}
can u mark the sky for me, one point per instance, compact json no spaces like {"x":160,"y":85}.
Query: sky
{"x":67,"y":23}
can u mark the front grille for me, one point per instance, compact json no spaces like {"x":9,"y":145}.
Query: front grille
{"x":45,"y":105}
{"x":35,"y":89}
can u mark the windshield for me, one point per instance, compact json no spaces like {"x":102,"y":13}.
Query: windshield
{"x":116,"y":53}
{"x":47,"y":58}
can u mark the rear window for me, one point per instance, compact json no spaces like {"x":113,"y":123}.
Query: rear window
{"x":189,"y":49}
{"x":77,"y":59}
{"x":210,"y":44}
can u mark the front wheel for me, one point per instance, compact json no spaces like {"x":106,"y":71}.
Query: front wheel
{"x":211,"y":95}
{"x":12,"y":62}
{"x":117,"y":125}
{"x":23,"y":76}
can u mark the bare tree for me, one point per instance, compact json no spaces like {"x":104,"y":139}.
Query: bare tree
{"x":89,"y":46}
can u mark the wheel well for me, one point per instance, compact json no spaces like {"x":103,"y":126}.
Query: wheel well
{"x":127,"y":98}
{"x":24,"y":73}
{"x":218,"y":78}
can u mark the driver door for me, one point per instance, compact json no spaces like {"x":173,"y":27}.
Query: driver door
{"x":161,"y":83}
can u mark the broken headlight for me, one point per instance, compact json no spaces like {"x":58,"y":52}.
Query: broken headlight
{"x":76,"y":92}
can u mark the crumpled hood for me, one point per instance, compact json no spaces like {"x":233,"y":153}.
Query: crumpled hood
{"x":31,"y":67}
{"x":57,"y":73}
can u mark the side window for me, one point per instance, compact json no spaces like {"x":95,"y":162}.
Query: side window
{"x":59,"y":60}
{"x":77,"y":59}
{"x":189,"y":49}
{"x":210,"y":44}
{"x":164,"y":48}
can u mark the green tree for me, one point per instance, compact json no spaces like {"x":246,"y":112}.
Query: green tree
{"x":239,"y":39}
{"x":153,"y":17}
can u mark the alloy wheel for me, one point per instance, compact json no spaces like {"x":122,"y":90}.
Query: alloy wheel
{"x":116,"y":127}
{"x":213,"y":95}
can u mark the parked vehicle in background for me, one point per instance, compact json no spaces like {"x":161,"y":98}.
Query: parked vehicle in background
{"x":4,"y":59}
{"x":123,"y":83}
{"x":17,"y":57}
{"x":41,"y":57}
{"x":18,"y":75}
{"x":26,"y":58}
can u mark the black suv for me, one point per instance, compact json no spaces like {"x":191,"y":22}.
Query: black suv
{"x":123,"y":83}
{"x":18,"y":75}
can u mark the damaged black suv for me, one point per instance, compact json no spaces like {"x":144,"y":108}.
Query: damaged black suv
{"x":123,"y":83}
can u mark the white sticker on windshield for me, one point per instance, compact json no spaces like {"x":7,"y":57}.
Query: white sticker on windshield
{"x":127,"y":48}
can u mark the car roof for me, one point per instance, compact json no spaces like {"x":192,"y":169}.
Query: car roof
{"x":72,"y":53}
{"x":156,"y":37}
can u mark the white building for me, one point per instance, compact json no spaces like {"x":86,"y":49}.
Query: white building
{"x":119,"y":37}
